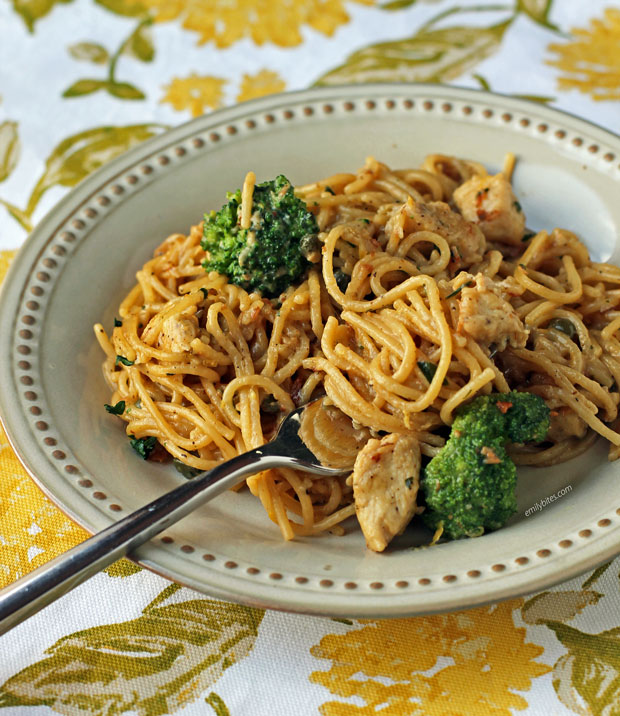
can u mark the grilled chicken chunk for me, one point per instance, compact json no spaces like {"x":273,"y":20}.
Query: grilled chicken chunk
{"x":466,"y":240}
{"x":177,"y":334}
{"x":566,"y":424}
{"x":489,"y":202}
{"x":385,"y":484}
{"x":486,"y":316}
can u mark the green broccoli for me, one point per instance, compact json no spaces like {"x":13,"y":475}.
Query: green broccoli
{"x":273,"y":253}
{"x":521,"y":417}
{"x":470,"y":485}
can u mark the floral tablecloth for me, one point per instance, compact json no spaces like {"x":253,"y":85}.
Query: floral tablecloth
{"x":81,"y":81}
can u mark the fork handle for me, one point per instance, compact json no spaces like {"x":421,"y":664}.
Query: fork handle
{"x":47,"y":583}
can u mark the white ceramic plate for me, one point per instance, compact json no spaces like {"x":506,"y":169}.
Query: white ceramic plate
{"x":83,"y":256}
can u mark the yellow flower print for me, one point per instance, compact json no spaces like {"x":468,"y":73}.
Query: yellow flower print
{"x":32,"y":530}
{"x":262,"y":83}
{"x":592,"y":62}
{"x":195,"y":93}
{"x":279,"y":21}
{"x":478,"y":660}
{"x":5,"y":259}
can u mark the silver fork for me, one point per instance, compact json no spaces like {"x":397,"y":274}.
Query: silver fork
{"x":47,"y":583}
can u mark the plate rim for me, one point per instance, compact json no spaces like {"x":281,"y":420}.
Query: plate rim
{"x":544,"y":573}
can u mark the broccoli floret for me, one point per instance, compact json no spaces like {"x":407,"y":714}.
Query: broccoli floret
{"x":470,"y":485}
{"x":273,"y":253}
{"x":521,"y":417}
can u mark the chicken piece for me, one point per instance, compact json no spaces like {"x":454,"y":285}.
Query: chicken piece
{"x":566,"y":424}
{"x":489,"y":202}
{"x":385,"y":483}
{"x":486,"y":316}
{"x":466,"y":240}
{"x":177,"y":334}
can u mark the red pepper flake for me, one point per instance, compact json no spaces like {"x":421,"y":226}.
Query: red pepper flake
{"x":553,"y":413}
{"x":376,"y":457}
{"x":503,"y":406}
{"x":490,"y":456}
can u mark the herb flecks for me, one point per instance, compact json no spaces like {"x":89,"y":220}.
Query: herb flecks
{"x":187,"y":471}
{"x":143,"y":446}
{"x":117,"y":409}
{"x":123,"y":360}
{"x":427,"y":369}
{"x":342,"y":280}
{"x":459,"y":289}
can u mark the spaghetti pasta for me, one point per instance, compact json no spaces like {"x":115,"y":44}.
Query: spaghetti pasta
{"x":429,"y":292}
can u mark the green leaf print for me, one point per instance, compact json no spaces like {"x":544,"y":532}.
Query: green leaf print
{"x":9,"y":156}
{"x":397,"y":4}
{"x":538,"y":10}
{"x":541,"y":99}
{"x":123,"y":7}
{"x":155,"y":664}
{"x":122,"y":568}
{"x":9,"y":148}
{"x":587,"y":678}
{"x":217,"y":704}
{"x":140,"y":43}
{"x":33,"y":10}
{"x":560,"y":606}
{"x":18,"y":214}
{"x":86,"y":86}
{"x":124,"y":90}
{"x":79,"y":155}
{"x":400,"y":4}
{"x":429,"y":56}
{"x":89,"y":52}
{"x":596,"y":574}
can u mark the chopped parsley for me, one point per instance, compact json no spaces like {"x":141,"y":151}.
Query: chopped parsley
{"x":117,"y":409}
{"x":517,"y":206}
{"x":143,"y":446}
{"x":123,"y":360}
{"x":205,"y":292}
{"x":342,"y":279}
{"x":270,"y":405}
{"x":409,"y":482}
{"x":528,"y":235}
{"x":330,"y":190}
{"x":117,"y":323}
{"x":428,"y":369}
{"x":187,"y":471}
{"x":459,"y":289}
